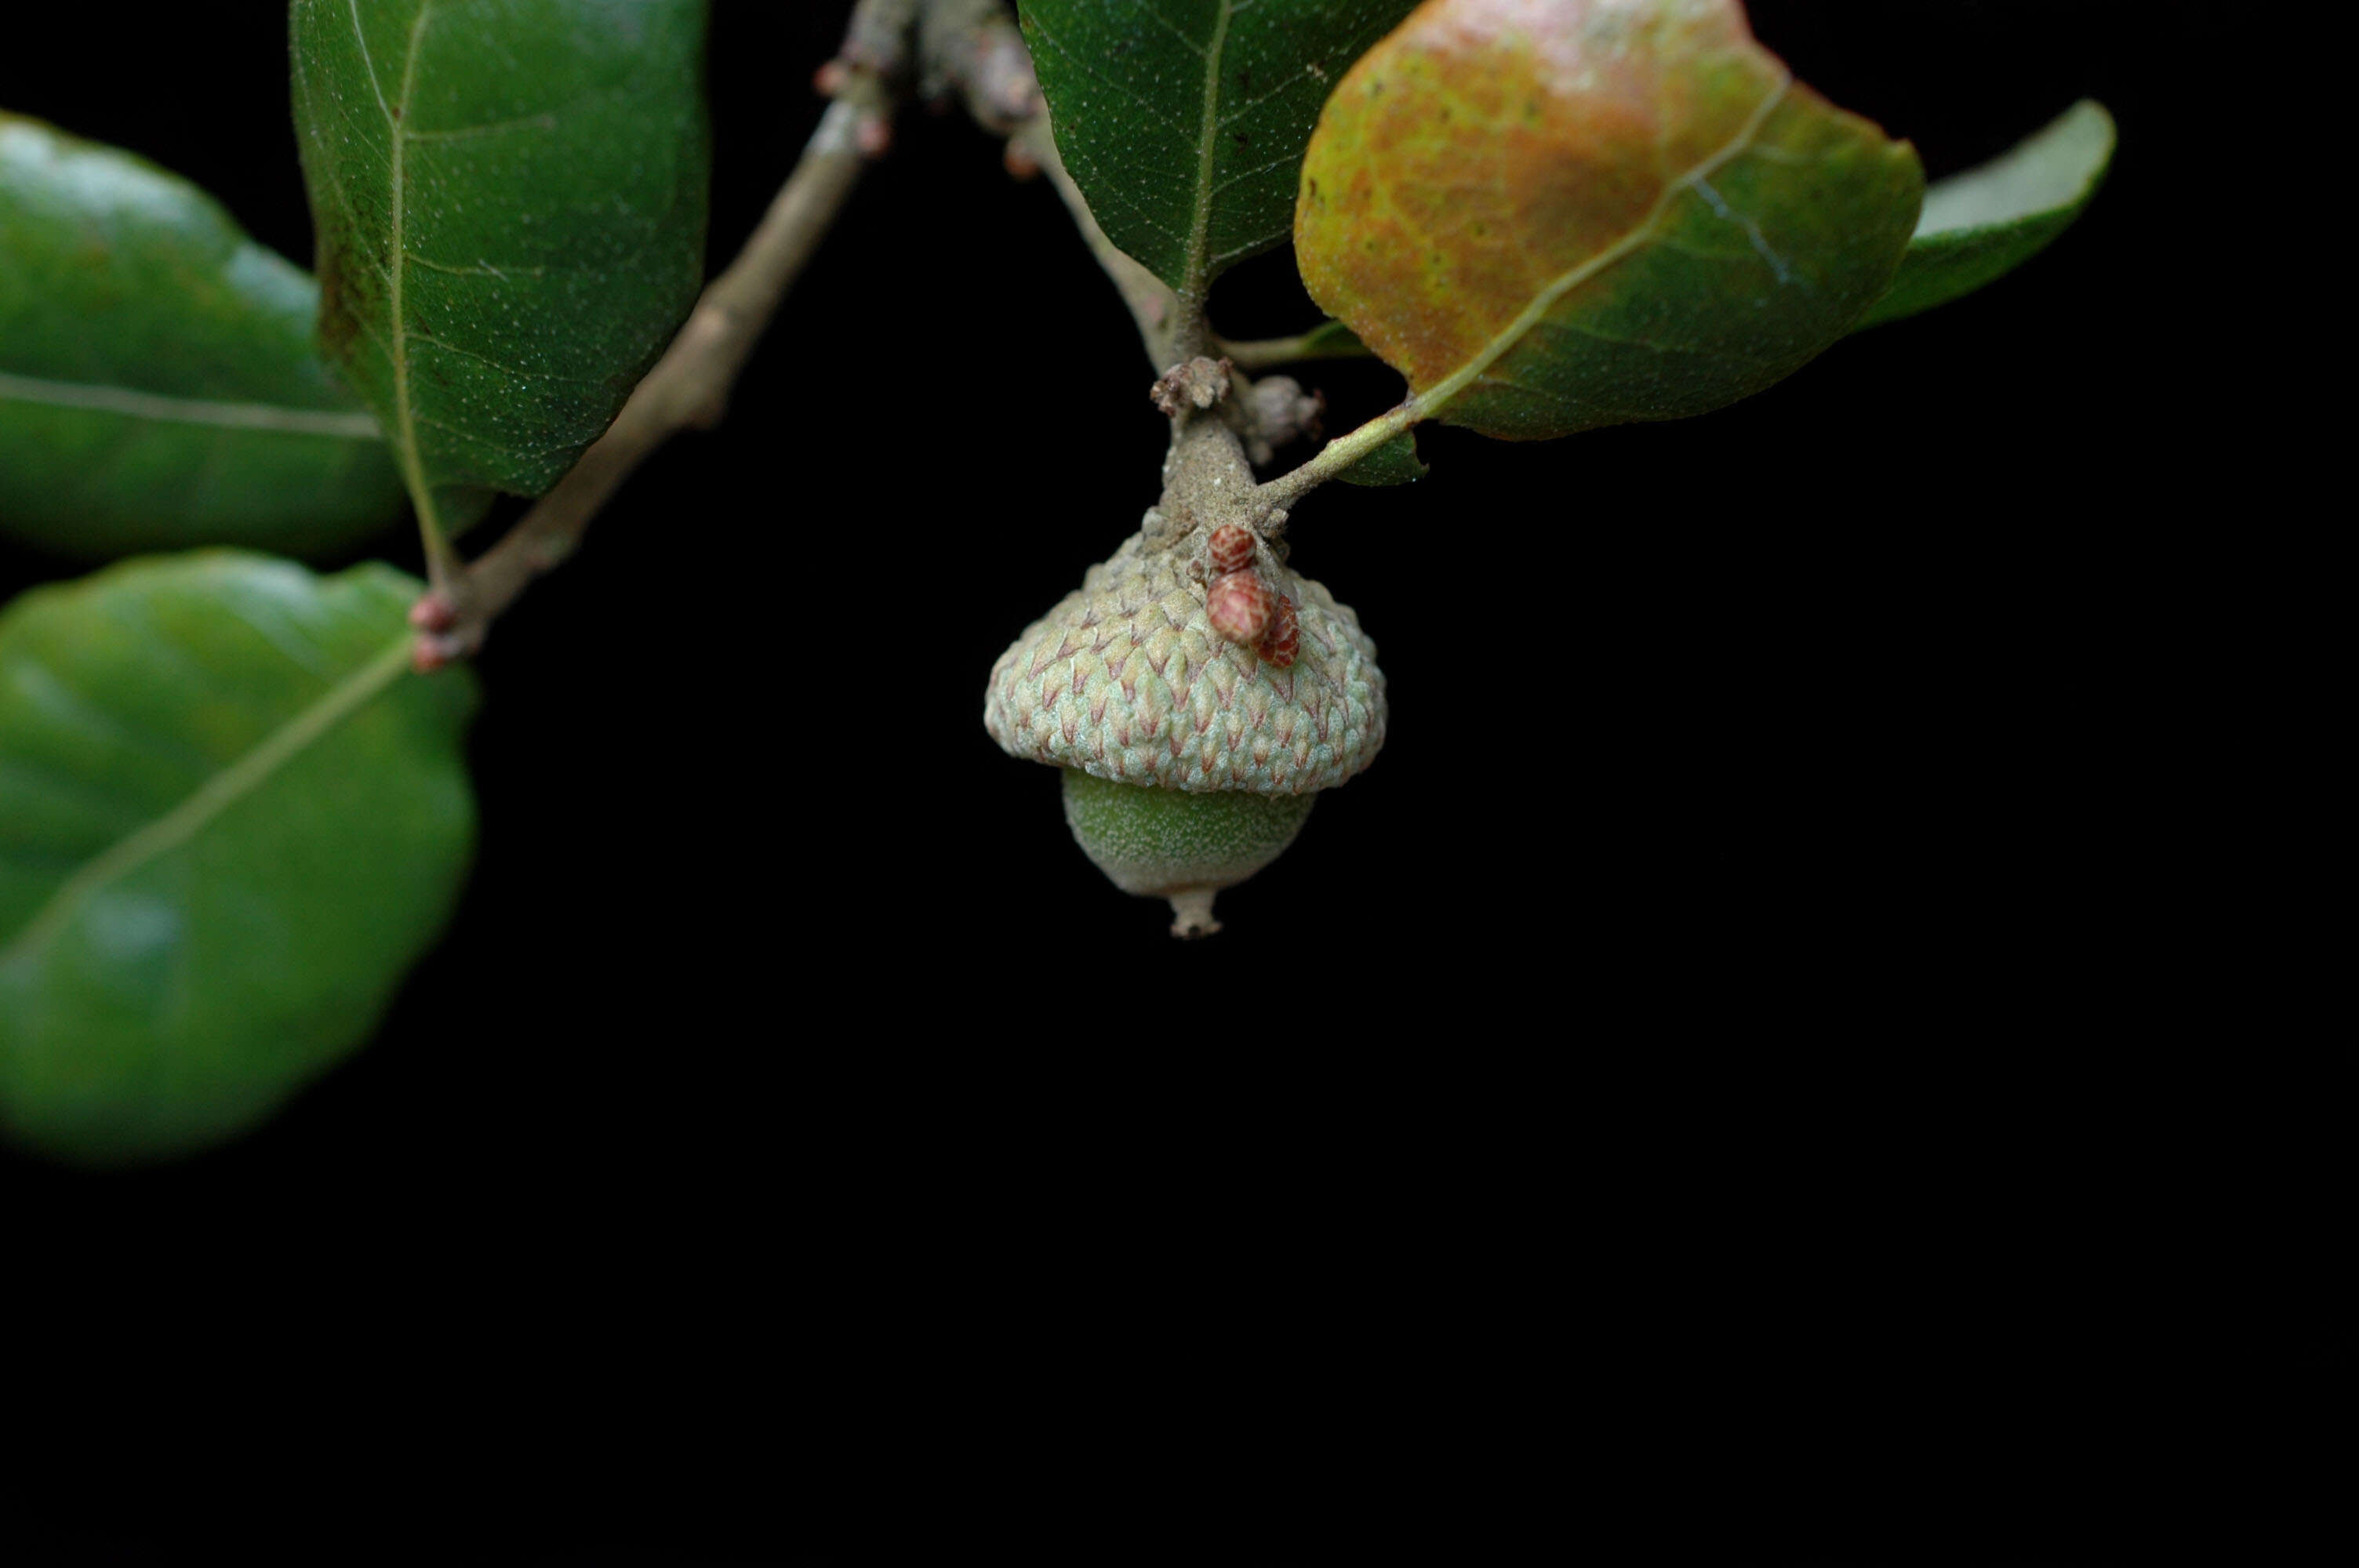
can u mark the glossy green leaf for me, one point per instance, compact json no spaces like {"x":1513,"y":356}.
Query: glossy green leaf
{"x":230,"y":818}
{"x":1183,"y":121}
{"x":1555,"y":216}
{"x":160,"y":385}
{"x":1395,"y":463}
{"x":510,"y":198}
{"x":1981,"y":225}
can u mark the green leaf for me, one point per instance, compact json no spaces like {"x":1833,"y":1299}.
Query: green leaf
{"x":1981,"y":225}
{"x":1327,"y":340}
{"x":1332,"y":340}
{"x":1183,"y":121}
{"x":1395,"y":463}
{"x":1557,"y":217}
{"x":230,"y":818}
{"x":160,"y":383}
{"x":510,"y":201}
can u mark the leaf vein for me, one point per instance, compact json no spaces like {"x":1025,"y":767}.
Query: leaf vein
{"x":210,"y":798}
{"x":133,"y":403}
{"x":1199,"y":225}
{"x":368,"y":62}
{"x":442,"y":346}
{"x":1430,"y":400}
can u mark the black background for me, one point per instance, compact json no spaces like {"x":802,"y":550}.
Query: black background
{"x":1788,"y":974}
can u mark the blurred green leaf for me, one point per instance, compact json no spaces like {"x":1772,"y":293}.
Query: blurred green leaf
{"x":1183,"y":121}
{"x":161,"y":386}
{"x":1978,"y":226}
{"x":230,"y":819}
{"x":511,"y":204}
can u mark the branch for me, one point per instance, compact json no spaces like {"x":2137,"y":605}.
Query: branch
{"x":876,"y":40}
{"x":689,"y":385}
{"x":973,"y":49}
{"x":975,"y":46}
{"x":1152,"y":303}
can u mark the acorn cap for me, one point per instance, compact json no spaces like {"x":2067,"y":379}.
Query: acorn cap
{"x":1126,"y":680}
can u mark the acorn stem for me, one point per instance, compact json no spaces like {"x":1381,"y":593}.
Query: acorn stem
{"x":1191,"y":913}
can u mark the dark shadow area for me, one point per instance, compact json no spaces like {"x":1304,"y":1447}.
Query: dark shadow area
{"x":1768,"y":1008}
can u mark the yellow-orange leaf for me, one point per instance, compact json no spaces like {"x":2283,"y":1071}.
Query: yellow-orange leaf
{"x":1555,"y":214}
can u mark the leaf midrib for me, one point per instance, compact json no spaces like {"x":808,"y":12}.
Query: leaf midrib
{"x":398,"y":128}
{"x":396,"y":351}
{"x":132,"y":403}
{"x":210,"y":798}
{"x":1200,"y":224}
{"x":1428,"y":402}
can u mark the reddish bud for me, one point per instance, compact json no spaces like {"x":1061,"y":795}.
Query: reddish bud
{"x":1238,"y":606}
{"x":1230,"y":549}
{"x":1284,"y":635}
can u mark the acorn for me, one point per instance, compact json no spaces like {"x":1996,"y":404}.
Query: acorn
{"x":1178,"y":845}
{"x":1191,"y":757}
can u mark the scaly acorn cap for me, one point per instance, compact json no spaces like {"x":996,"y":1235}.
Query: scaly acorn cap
{"x":1126,"y":680}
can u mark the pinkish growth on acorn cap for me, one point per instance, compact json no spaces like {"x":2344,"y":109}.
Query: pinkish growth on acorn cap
{"x":1284,"y":635}
{"x":1230,"y":549}
{"x":1238,"y":607}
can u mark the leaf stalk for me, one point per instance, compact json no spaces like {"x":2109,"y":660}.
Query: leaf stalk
{"x":1338,"y":455}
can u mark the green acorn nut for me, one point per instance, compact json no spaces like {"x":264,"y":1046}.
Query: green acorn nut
{"x":1190,"y":760}
{"x":1170,"y":843}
